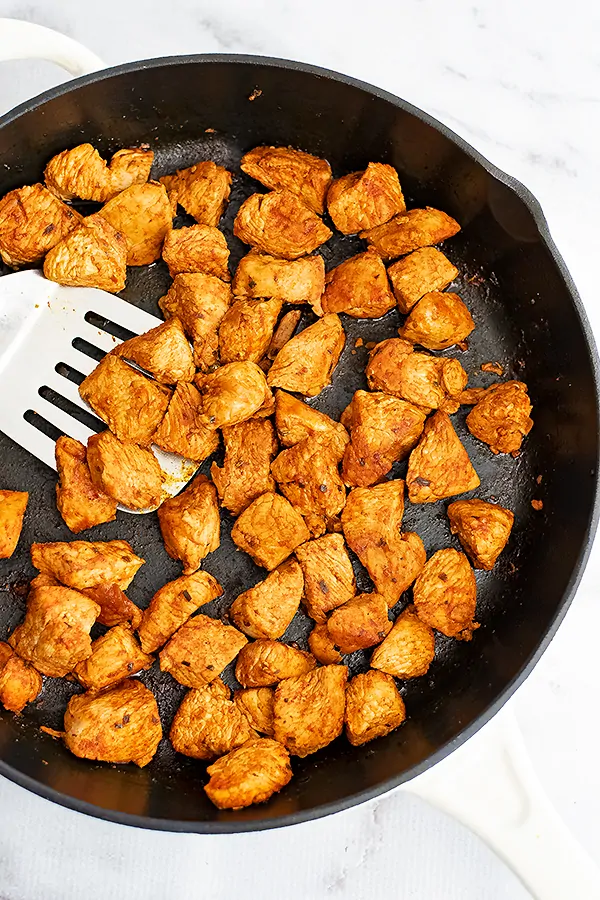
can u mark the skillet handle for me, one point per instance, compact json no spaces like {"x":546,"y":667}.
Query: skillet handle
{"x":24,"y":40}
{"x":490,"y":786}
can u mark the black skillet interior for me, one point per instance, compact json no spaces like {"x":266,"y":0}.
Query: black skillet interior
{"x":527,"y":319}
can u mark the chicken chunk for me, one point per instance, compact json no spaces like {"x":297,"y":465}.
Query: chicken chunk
{"x":328,"y":575}
{"x":115,"y":607}
{"x":264,"y":663}
{"x":445,"y":594}
{"x":163,"y":351}
{"x":501,"y":418}
{"x":200,"y":302}
{"x":202,"y":190}
{"x":190,"y":523}
{"x":82,"y":173}
{"x":359,"y":623}
{"x":285,"y":169}
{"x":87,"y":564}
{"x":358,"y":287}
{"x":266,"y":610}
{"x":246,"y":471}
{"x":482,"y":528}
{"x":439,"y":466}
{"x":20,"y":683}
{"x":257,"y":706}
{"x":93,"y":254}
{"x":269,"y":530}
{"x":232,"y":394}
{"x":32,"y":222}
{"x":142,"y":214}
{"x":280,"y":224}
{"x":306,"y":363}
{"x":199,"y":650}
{"x":247,"y":328}
{"x":250,"y":774}
{"x":309,"y":709}
{"x":365,"y":199}
{"x":80,"y":503}
{"x":127,"y":473}
{"x":208,"y":723}
{"x":172,"y":605}
{"x":120,"y":725}
{"x":259,"y":275}
{"x":374,"y":707}
{"x":114,"y":656}
{"x":12,"y":511}
{"x":181,"y":430}
{"x":322,"y":646}
{"x":410,"y":231}
{"x":418,"y":274}
{"x":295,"y":421}
{"x":409,"y":648}
{"x":438,"y":321}
{"x":198,"y":248}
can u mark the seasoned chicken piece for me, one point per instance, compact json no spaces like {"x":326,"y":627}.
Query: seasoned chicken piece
{"x":269,"y":530}
{"x":306,"y":363}
{"x":445,"y":594}
{"x":32,"y":222}
{"x":163,"y":351}
{"x":12,"y":510}
{"x":482,"y":528}
{"x":247,"y":328}
{"x":410,"y":231}
{"x":371,"y":521}
{"x":418,"y":274}
{"x":190,"y":523}
{"x":81,"y":172}
{"x":127,"y":473}
{"x":383,"y":430}
{"x":55,"y":634}
{"x":285,"y":169}
{"x":322,"y":646}
{"x":120,"y":725}
{"x":409,"y":648}
{"x":439,"y":466}
{"x":264,"y":662}
{"x":301,"y":280}
{"x":20,"y":683}
{"x":280,"y":224}
{"x":114,"y":656}
{"x":132,"y":405}
{"x":172,"y":605}
{"x":202,"y":190}
{"x":199,"y":650}
{"x":359,"y":623}
{"x":87,"y":564}
{"x":328,"y":575}
{"x":432,"y":382}
{"x":200,"y":302}
{"x":295,"y":421}
{"x":246,"y":471}
{"x":93,"y":254}
{"x":115,"y":607}
{"x":250,"y":774}
{"x":365,"y":199}
{"x":181,"y":430}
{"x":439,"y":320}
{"x":358,"y":287}
{"x":374,"y":707}
{"x":198,"y":248}
{"x":143,"y":215}
{"x":309,"y":709}
{"x":266,"y":610}
{"x":257,"y":706}
{"x":501,"y":418}
{"x":232,"y":394}
{"x":81,"y":504}
{"x":208,"y":723}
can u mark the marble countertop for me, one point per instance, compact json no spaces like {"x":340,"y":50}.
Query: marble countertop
{"x":521,"y":82}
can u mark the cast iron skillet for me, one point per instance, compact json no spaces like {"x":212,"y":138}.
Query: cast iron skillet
{"x":528,"y":317}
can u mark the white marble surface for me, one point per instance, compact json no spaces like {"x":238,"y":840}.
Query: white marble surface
{"x":521,"y":81}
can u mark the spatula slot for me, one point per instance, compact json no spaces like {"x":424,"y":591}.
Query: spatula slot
{"x":42,"y":424}
{"x":123,"y":334}
{"x":82,"y":415}
{"x":69,"y":372}
{"x":90,"y":350}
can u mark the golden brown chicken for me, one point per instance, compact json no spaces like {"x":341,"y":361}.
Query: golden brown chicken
{"x":439,"y":320}
{"x":208,"y":723}
{"x":358,"y":287}
{"x":163,"y":351}
{"x":12,"y":511}
{"x":200,"y":301}
{"x":410,"y":231}
{"x":282,"y":168}
{"x":202,"y":190}
{"x":81,"y":504}
{"x":93,"y":254}
{"x":181,"y":430}
{"x":445,"y":594}
{"x":129,"y":474}
{"x":143,"y":215}
{"x":257,"y":706}
{"x":365,"y":199}
{"x":328,"y":575}
{"x":247,"y":328}
{"x":250,"y":774}
{"x":259,"y":275}
{"x":114,"y":657}
{"x":409,"y":648}
{"x":374,"y":707}
{"x":190,"y":523}
{"x":360,"y":623}
{"x":199,"y":650}
{"x":20,"y":683}
{"x":266,"y":610}
{"x":280,"y":224}
{"x":264,"y":663}
{"x":87,"y":564}
{"x":295,"y":421}
{"x":501,"y":418}
{"x":232,"y":394}
{"x":82,"y":173}
{"x":32,"y":222}
{"x":172,"y":605}
{"x":322,"y":646}
{"x":115,"y":607}
{"x":198,"y":248}
{"x":269,"y":530}
{"x":420,"y":273}
{"x":439,"y":466}
{"x":309,"y":709}
{"x":245,"y":474}
{"x":482,"y":528}
{"x":306,"y":363}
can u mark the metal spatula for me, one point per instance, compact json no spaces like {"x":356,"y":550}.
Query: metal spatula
{"x":51,"y":337}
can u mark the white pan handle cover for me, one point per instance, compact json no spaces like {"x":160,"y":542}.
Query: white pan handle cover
{"x":490,"y":786}
{"x":24,"y":40}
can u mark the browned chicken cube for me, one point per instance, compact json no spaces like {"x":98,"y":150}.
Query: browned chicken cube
{"x":198,"y":248}
{"x":328,"y":575}
{"x":202,"y":190}
{"x":20,"y":683}
{"x":93,"y":254}
{"x":358,"y":287}
{"x":232,"y":394}
{"x":12,"y":511}
{"x":266,"y":610}
{"x":143,"y":215}
{"x":439,"y":320}
{"x":420,"y":273}
{"x":259,"y":275}
{"x":264,"y":663}
{"x":365,"y":199}
{"x":502,"y":417}
{"x":199,"y":650}
{"x":409,"y":648}
{"x":32,"y":222}
{"x":81,"y":504}
{"x":285,"y":169}
{"x":172,"y":605}
{"x":119,"y":726}
{"x":115,"y":607}
{"x":208,"y":723}
{"x":127,"y":473}
{"x":410,"y":231}
{"x":200,"y":302}
{"x":246,"y":471}
{"x":374,"y":707}
{"x":482,"y":528}
{"x":360,"y":623}
{"x":114,"y":656}
{"x":250,"y":774}
{"x":445,"y":594}
{"x":82,"y":173}
{"x":439,"y":466}
{"x":295,"y":421}
{"x":163,"y":351}
{"x":246,"y":329}
{"x":269,"y":530}
{"x":306,"y":363}
{"x":87,"y":564}
{"x":257,"y":706}
{"x":322,"y":646}
{"x":307,"y":474}
{"x":190,"y":523}
{"x":309,"y":709}
{"x":181,"y":430}
{"x":280,"y":224}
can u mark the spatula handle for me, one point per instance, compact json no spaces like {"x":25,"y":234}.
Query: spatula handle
{"x":24,"y":40}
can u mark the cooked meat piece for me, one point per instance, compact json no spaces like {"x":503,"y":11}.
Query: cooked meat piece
{"x":246,"y":471}
{"x":409,"y":648}
{"x":445,"y":594}
{"x":163,"y":351}
{"x":266,"y":610}
{"x":199,"y":650}
{"x":373,"y":707}
{"x":142,"y":214}
{"x":295,"y":421}
{"x":383,"y":430}
{"x":439,"y":466}
{"x":322,"y":646}
{"x":358,"y":287}
{"x":263,"y":663}
{"x":190,"y":523}
{"x":257,"y":706}
{"x":247,"y":328}
{"x":306,"y":363}
{"x":269,"y":530}
{"x":359,"y":623}
{"x":20,"y":683}
{"x":208,"y":723}
{"x":439,"y":320}
{"x":328,"y":575}
{"x":172,"y":605}
{"x":55,"y":634}
{"x":202,"y":190}
{"x":81,"y":504}
{"x":200,"y":301}
{"x":120,"y":725}
{"x":279,"y":224}
{"x":115,"y":607}
{"x":198,"y":248}
{"x":371,"y":521}
{"x":127,"y":473}
{"x":181,"y":430}
{"x":87,"y":564}
{"x":12,"y":510}
{"x":501,"y":418}
{"x":285,"y":169}
{"x":283,"y":333}
{"x":250,"y":774}
{"x":420,"y":273}
{"x":309,"y":709}
{"x":32,"y":222}
{"x":482,"y":528}
{"x":365,"y":199}
{"x":82,"y":173}
{"x":232,"y":394}
{"x":92,"y":255}
{"x":114,"y":656}
{"x":410,"y":231}
{"x":471,"y":396}
{"x":301,"y":280}
{"x":132,"y":405}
